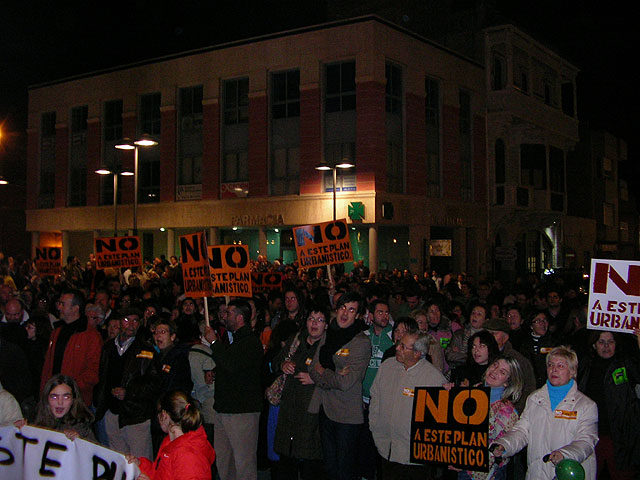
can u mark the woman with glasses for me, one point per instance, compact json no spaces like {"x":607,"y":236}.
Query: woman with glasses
{"x":338,"y":369}
{"x":297,"y":435}
{"x":610,"y":376}
{"x":538,"y":344}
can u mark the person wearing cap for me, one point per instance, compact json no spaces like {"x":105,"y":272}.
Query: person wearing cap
{"x":500,"y":330}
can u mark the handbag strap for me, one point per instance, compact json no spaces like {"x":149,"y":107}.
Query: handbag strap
{"x":294,"y":346}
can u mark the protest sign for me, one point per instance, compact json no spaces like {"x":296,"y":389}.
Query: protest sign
{"x":49,"y":261}
{"x":323,"y":244}
{"x":451,"y":427}
{"x":118,"y":252}
{"x":266,"y":281}
{"x":195,"y":265}
{"x":614,"y":295}
{"x":34,"y":453}
{"x":230,"y":270}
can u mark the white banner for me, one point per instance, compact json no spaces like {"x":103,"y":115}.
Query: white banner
{"x":34,"y":453}
{"x":614,"y":295}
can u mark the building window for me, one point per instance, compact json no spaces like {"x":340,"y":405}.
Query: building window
{"x":112,"y":133}
{"x":285,"y":133}
{"x":340,"y":87}
{"x":190,"y":137}
{"x":394,"y":123}
{"x":556,"y":169}
{"x":624,"y":232}
{"x":521,"y":69}
{"x":432,"y":113}
{"x":533,"y":170}
{"x":624,"y":191}
{"x":498,"y":72}
{"x":393,"y":89}
{"x":466,"y":149}
{"x":609,"y":214}
{"x":236,"y":101}
{"x":149,"y":158}
{"x":500,"y":170}
{"x":78,"y":157}
{"x":285,"y":171}
{"x":235,"y":165}
{"x":340,"y":123}
{"x":47,"y":160}
{"x":285,"y":94}
{"x":566,"y":91}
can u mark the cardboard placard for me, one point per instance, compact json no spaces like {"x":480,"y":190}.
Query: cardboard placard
{"x":614,"y":295}
{"x":230,"y":268}
{"x":266,"y":281}
{"x":195,"y":265}
{"x":118,"y":252}
{"x":49,"y":261}
{"x":451,"y":427}
{"x":323,"y":244}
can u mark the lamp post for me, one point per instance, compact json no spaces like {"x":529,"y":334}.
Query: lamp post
{"x":324,"y":166}
{"x":127,"y":144}
{"x":115,"y":173}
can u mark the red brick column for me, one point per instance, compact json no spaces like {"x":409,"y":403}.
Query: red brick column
{"x":168,"y":154}
{"x":94,"y":160}
{"x":450,"y":153}
{"x":310,"y":140}
{"x":258,"y":146}
{"x":211,"y":150}
{"x":371,"y":143}
{"x":416,"y":144}
{"x":62,"y":167}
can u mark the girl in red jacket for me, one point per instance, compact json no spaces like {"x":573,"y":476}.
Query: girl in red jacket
{"x":185,"y":453}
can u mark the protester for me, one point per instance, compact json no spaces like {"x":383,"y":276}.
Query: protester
{"x":338,"y":369}
{"x":185,"y":453}
{"x":610,"y":376}
{"x":9,"y":409}
{"x":61,"y":408}
{"x":482,"y":350}
{"x":558,"y":422}
{"x":297,"y":436}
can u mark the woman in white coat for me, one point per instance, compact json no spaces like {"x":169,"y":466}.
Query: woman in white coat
{"x":558,"y":421}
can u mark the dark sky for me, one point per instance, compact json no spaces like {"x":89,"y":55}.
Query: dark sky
{"x":44,"y":40}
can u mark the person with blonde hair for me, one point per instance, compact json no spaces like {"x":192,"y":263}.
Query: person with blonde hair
{"x":185,"y":453}
{"x":559,"y":422}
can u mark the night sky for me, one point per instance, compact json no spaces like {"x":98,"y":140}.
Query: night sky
{"x":42,"y":41}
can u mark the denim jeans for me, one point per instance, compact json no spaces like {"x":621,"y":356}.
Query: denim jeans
{"x":340,"y":447}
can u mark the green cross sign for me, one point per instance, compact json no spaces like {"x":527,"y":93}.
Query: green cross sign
{"x":356,"y":211}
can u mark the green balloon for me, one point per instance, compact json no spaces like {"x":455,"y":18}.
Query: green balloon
{"x":568,"y":469}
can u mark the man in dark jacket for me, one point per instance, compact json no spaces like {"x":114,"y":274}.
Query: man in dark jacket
{"x":238,"y":395}
{"x":128,"y":389}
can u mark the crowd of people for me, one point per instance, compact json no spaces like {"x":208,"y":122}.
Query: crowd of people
{"x":314,"y":379}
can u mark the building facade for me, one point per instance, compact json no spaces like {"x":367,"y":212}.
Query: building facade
{"x":532,"y":130}
{"x":240,"y":129}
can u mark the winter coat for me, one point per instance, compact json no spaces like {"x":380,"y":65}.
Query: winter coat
{"x":81,"y":359}
{"x":188,"y":457}
{"x":339,"y":392}
{"x":536,"y":353}
{"x":572,"y":428}
{"x":622,"y":406}
{"x":391,"y":405}
{"x":238,"y":387}
{"x":298,"y":432}
{"x":139,"y":378}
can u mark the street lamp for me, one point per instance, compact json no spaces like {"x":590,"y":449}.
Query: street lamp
{"x":324,"y":166}
{"x":128,"y":144}
{"x":115,"y":172}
